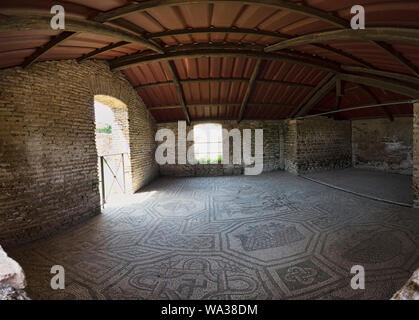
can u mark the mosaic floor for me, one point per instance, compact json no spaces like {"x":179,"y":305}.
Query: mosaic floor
{"x":273,"y":236}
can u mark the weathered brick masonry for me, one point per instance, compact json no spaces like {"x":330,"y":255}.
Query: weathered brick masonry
{"x":383,"y":144}
{"x":317,"y":144}
{"x":297,"y":146}
{"x":271,"y":149}
{"x":416,"y":155}
{"x":48,"y":159}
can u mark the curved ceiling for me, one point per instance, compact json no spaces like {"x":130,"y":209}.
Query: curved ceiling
{"x":208,"y":59}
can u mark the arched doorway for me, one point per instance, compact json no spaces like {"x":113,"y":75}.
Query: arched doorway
{"x":113,"y":148}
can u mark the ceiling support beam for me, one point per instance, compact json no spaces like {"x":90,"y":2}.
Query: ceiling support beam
{"x":386,"y":84}
{"x":173,"y":74}
{"x":392,"y":75}
{"x":311,"y":94}
{"x":210,"y":80}
{"x":40,"y":22}
{"x":398,"y":35}
{"x":41,"y":51}
{"x":223,"y":105}
{"x":249,"y":89}
{"x":397,"y":56}
{"x":102,"y":50}
{"x":178,"y":53}
{"x":375,"y":100}
{"x":275,"y":4}
{"x":191,"y":31}
{"x":320,"y":94}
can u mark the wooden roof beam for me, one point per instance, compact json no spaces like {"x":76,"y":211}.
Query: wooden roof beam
{"x":316,"y":97}
{"x":185,"y":81}
{"x":392,"y":75}
{"x":249,"y":89}
{"x":386,"y":84}
{"x":375,"y":100}
{"x":171,"y":68}
{"x":41,"y":22}
{"x":102,"y":50}
{"x":267,"y":105}
{"x":179,"y":53}
{"x":398,"y":35}
{"x":41,"y":51}
{"x":275,"y":4}
{"x":397,"y":56}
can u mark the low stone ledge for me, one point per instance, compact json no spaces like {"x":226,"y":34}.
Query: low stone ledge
{"x":410,"y":291}
{"x":12,"y":279}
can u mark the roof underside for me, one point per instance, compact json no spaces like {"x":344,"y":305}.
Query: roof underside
{"x":217,"y":83}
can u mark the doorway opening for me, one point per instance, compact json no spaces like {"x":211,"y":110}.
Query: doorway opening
{"x":112,"y":144}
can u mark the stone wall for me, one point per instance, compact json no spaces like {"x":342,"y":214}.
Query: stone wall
{"x":416,"y":155}
{"x":271,"y":150}
{"x":48,"y":158}
{"x":383,"y":144}
{"x":317,"y":144}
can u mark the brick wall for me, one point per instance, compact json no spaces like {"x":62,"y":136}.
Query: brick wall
{"x":416,"y":155}
{"x":383,"y":144}
{"x":317,"y":144}
{"x":271,"y":144}
{"x":48,"y":158}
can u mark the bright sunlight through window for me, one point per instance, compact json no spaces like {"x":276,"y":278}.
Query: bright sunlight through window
{"x":208,"y":143}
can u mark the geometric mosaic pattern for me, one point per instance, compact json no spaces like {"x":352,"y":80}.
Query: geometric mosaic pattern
{"x":273,"y":236}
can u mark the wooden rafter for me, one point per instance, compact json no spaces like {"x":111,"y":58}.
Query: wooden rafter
{"x":249,"y":89}
{"x":275,"y":4}
{"x":266,"y":81}
{"x":312,"y":92}
{"x":40,"y":22}
{"x":402,"y":35}
{"x":142,"y":58}
{"x":171,"y":68}
{"x":192,"y":31}
{"x":231,"y":104}
{"x":387,"y":74}
{"x":375,"y":100}
{"x":102,"y":50}
{"x":317,"y":96}
{"x":279,"y":5}
{"x":386,"y":84}
{"x":397,"y":56}
{"x":41,"y":51}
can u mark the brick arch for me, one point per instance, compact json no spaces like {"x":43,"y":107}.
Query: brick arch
{"x":114,"y":84}
{"x":45,"y":194}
